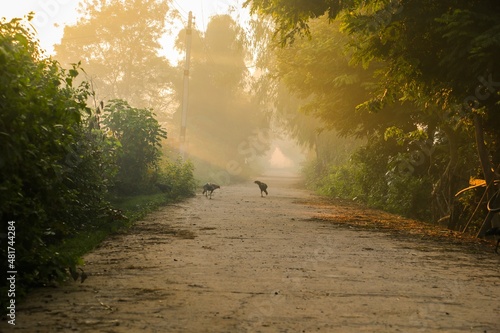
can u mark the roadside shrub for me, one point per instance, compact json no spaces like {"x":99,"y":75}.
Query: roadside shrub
{"x":178,"y":175}
{"x":409,"y":195}
{"x":139,"y":136}
{"x":365,"y":178}
{"x":50,"y":166}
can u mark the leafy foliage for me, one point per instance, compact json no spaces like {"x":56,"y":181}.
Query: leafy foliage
{"x":292,"y":18}
{"x":179,"y":175}
{"x":139,"y":135}
{"x":365,"y":178}
{"x":50,"y":171}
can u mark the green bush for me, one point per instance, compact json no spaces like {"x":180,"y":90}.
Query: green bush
{"x":371,"y":176}
{"x":50,"y":171}
{"x":139,"y":136}
{"x":179,"y":176}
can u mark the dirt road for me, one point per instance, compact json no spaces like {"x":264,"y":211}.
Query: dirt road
{"x":288,"y":262}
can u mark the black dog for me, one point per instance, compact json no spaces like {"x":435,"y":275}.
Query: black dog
{"x":209,"y":187}
{"x":262,"y":186}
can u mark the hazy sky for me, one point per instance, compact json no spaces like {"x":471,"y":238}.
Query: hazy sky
{"x":52,"y":15}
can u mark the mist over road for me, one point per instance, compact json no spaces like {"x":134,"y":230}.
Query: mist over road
{"x":242,"y":263}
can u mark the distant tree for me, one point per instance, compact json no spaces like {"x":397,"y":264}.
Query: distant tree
{"x":118,"y":44}
{"x":222,"y":117}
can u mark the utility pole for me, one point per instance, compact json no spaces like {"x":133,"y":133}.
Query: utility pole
{"x":186,"y":85}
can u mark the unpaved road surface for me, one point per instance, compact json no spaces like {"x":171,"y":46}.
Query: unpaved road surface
{"x":288,"y":262}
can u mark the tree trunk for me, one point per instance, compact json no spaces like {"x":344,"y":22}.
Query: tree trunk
{"x":484,"y":157}
{"x":486,"y":166}
{"x":443,"y":195}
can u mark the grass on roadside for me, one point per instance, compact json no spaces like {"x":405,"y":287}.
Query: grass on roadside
{"x":133,"y":208}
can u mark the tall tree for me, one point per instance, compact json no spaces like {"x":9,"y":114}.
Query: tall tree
{"x":222,"y":114}
{"x":118,"y":44}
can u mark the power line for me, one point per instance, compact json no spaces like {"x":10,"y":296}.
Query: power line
{"x":179,"y":9}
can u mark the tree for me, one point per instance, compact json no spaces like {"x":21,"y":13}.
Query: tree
{"x":320,"y":72}
{"x":118,"y":44}
{"x":223,"y":118}
{"x":139,"y":135}
{"x":470,"y":66}
{"x":292,"y":18}
{"x":422,"y":43}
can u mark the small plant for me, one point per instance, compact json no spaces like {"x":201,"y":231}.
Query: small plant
{"x":179,"y":176}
